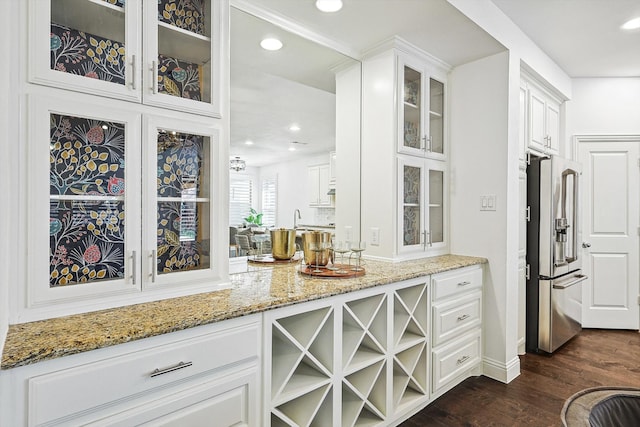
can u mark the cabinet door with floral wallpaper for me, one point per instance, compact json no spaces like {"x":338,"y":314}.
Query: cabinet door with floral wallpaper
{"x":161,"y":52}
{"x":180,"y":213}
{"x":84,"y":193}
{"x":422,"y":208}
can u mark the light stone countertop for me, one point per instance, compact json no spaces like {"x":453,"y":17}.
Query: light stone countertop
{"x":260,"y":289}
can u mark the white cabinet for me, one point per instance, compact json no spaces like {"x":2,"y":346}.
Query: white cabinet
{"x":456,"y":327}
{"x":318,"y":180}
{"x":422,"y":110}
{"x":349,"y":360}
{"x":180,"y":378}
{"x":161,"y":53}
{"x":107,"y":176}
{"x":543,"y":120}
{"x":332,"y":169}
{"x":421,"y":205}
{"x":404,"y":136}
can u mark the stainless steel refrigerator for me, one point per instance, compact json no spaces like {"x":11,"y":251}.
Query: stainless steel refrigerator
{"x":554,"y":261}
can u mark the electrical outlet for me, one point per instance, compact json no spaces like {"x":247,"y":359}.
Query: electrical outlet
{"x":375,"y":236}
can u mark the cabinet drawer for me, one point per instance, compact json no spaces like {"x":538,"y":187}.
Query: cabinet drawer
{"x":455,"y":282}
{"x":455,"y":317}
{"x":453,"y":360}
{"x":122,"y":378}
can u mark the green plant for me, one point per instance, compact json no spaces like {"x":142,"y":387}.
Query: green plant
{"x":254,"y":218}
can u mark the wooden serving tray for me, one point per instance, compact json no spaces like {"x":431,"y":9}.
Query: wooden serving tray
{"x":331,"y":274}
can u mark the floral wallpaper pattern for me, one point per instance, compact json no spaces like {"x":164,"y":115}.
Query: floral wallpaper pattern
{"x":411,"y":214}
{"x":185,"y":14}
{"x":180,"y":168}
{"x":179,"y":78}
{"x":87,"y":55}
{"x":86,"y":229}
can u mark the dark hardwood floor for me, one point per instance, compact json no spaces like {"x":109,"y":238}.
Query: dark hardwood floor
{"x":535,"y":398}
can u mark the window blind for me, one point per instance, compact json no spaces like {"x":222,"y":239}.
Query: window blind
{"x":240,"y":199}
{"x":269,"y":201}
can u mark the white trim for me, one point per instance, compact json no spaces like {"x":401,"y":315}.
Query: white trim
{"x":286,"y":23}
{"x":499,"y":371}
{"x":577,"y":139}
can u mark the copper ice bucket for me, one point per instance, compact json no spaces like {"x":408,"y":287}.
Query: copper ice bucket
{"x":312,"y":257}
{"x":283,"y":243}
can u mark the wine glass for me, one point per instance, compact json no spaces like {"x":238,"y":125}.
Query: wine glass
{"x":317,"y":248}
{"x":342,"y":248}
{"x":357,"y":248}
{"x":332,"y":256}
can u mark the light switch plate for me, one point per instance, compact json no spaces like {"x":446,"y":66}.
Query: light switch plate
{"x":488,"y":202}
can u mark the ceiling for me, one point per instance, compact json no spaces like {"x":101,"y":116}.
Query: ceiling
{"x":582,"y":36}
{"x":270,"y":91}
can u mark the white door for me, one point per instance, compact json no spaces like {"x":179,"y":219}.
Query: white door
{"x":610,"y":212}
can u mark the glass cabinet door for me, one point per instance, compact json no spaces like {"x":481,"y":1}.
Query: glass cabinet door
{"x":92,"y":216}
{"x":182,"y":55}
{"x":91,"y":46}
{"x":411,"y":215}
{"x":435,"y":139}
{"x":435,"y":233}
{"x":179,"y":220}
{"x":422,"y":205}
{"x":411,"y":112}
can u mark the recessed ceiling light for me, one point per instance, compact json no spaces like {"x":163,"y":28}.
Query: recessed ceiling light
{"x":271,"y":44}
{"x":248,"y":142}
{"x":294,"y":128}
{"x":292,"y":148}
{"x":632,"y":24}
{"x":329,"y":5}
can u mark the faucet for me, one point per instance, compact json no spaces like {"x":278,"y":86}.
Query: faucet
{"x":296,"y":218}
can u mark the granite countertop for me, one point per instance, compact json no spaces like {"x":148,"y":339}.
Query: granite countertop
{"x":260,"y":289}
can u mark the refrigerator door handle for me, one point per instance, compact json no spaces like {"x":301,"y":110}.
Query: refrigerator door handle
{"x":575,"y":219}
{"x":577,"y":279}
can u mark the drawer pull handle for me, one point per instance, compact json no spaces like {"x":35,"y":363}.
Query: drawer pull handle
{"x":462,"y":360}
{"x":180,"y":365}
{"x":463,"y":317}
{"x":465,"y":283}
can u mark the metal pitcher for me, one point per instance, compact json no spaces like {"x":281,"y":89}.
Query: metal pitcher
{"x":312,"y":257}
{"x":283,"y":243}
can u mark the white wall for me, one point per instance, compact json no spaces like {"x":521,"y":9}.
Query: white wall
{"x":604,"y":106}
{"x":293,"y":192}
{"x":481,"y":155}
{"x":8,"y":171}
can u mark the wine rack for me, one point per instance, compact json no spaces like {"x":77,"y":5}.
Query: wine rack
{"x":353,"y":360}
{"x":410,"y":314}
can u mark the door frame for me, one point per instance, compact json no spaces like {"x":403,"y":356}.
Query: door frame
{"x":605,"y":138}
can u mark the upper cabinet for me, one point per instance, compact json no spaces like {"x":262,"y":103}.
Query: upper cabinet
{"x":404,"y":113}
{"x":543,"y":118}
{"x":160,"y":52}
{"x":132,"y":203}
{"x":422,"y":109}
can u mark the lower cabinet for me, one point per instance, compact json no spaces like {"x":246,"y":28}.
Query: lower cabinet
{"x":456,"y":327}
{"x":183,"y":378}
{"x":372,"y":357}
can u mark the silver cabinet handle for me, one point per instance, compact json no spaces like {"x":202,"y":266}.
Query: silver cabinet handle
{"x":133,"y":72}
{"x":154,"y":266}
{"x":133,"y":267}
{"x":424,"y":239}
{"x":462,"y":360}
{"x":154,"y":76}
{"x":465,"y":283}
{"x":180,"y":365}
{"x":463,"y":317}
{"x":586,"y":245}
{"x":423,"y":146}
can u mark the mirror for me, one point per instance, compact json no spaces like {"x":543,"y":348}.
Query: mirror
{"x":303,"y":84}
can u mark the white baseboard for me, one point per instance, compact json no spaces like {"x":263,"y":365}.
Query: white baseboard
{"x":500,"y":371}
